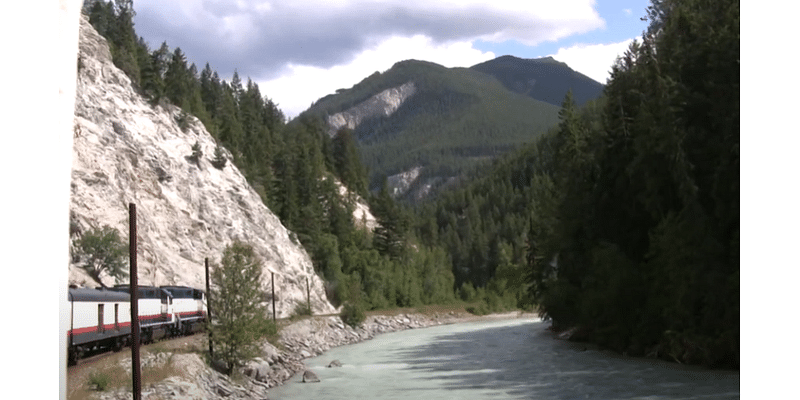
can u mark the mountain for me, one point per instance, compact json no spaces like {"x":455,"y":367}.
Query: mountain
{"x":128,"y":151}
{"x":543,"y":79}
{"x":430,"y":122}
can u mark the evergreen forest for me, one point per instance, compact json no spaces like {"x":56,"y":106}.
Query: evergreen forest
{"x":622,"y":220}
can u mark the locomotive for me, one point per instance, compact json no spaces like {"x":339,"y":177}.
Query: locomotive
{"x":101,"y":318}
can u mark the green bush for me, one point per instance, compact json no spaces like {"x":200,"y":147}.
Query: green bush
{"x":99,"y":381}
{"x":467,"y":292}
{"x":99,"y":251}
{"x":219,"y":160}
{"x":353,"y":314}
{"x":300,"y":310}
{"x":197,"y":153}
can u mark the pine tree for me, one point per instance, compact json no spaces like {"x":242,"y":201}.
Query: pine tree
{"x":219,"y":160}
{"x":239,"y":310}
{"x":176,"y":80}
{"x":347,"y":162}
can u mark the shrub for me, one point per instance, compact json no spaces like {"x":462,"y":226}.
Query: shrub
{"x":467,"y":292}
{"x":353,"y":314}
{"x":197,"y":152}
{"x":300,"y":310}
{"x":98,"y":381}
{"x":219,"y":160}
{"x":182,"y":119}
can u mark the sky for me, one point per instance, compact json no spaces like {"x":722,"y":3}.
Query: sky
{"x":300,"y":51}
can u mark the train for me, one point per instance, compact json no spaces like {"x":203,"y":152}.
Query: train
{"x":101,"y":318}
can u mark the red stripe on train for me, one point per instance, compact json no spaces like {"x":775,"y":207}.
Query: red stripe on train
{"x":108,"y":327}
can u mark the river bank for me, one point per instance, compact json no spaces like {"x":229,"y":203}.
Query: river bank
{"x":177,"y":370}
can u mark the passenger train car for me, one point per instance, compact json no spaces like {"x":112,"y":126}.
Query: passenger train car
{"x":101,"y":318}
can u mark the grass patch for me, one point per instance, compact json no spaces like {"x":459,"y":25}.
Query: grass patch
{"x":98,"y":381}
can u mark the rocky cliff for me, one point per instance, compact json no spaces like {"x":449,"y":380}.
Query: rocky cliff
{"x":382,"y":104}
{"x":127,"y":151}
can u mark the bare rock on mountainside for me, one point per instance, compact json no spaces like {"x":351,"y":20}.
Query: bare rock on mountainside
{"x":382,"y":104}
{"x":127,"y":151}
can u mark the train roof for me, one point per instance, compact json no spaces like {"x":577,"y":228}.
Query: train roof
{"x":181,"y":288}
{"x":143,"y":292}
{"x":86,"y":294}
{"x":182,"y":291}
{"x":168,"y":287}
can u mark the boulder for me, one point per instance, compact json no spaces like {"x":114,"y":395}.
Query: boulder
{"x":335,"y":363}
{"x":262,"y":372}
{"x":310,"y":376}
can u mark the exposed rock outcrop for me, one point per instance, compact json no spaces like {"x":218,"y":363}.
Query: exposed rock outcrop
{"x":412,"y":185}
{"x":383,"y":104}
{"x":400,"y":183}
{"x":128,"y":151}
{"x":362,"y":216}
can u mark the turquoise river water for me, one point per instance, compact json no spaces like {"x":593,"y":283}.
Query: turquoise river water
{"x":500,"y":359}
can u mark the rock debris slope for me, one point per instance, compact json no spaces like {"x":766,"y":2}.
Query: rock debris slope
{"x":127,"y":151}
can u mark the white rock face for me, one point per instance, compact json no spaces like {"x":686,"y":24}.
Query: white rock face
{"x":362,"y":216}
{"x":400,"y":183}
{"x":126,"y":151}
{"x":384,"y":104}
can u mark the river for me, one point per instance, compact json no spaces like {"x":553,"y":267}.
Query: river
{"x":499,"y":359}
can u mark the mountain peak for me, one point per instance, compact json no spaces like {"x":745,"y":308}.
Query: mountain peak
{"x":545,"y":79}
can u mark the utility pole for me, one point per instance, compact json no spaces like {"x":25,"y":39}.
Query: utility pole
{"x":308,"y":296}
{"x":273,"y":298}
{"x":208,"y":316}
{"x":134,"y":286}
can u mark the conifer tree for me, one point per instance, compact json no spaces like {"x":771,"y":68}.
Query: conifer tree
{"x":176,"y":80}
{"x":240,"y":313}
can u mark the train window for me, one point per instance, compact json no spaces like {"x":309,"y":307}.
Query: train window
{"x":116,"y":317}
{"x":100,"y":318}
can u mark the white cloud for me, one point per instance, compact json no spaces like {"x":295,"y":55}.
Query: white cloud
{"x":299,"y":51}
{"x":261,"y":37}
{"x":627,"y":12}
{"x":301,"y":85}
{"x":593,"y":60}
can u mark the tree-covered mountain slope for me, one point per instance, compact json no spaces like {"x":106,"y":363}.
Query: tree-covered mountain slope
{"x":543,"y":79}
{"x":445,"y":120}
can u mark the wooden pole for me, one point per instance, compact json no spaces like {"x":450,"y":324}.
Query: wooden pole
{"x":135,"y":364}
{"x":308,"y":296}
{"x":208,"y":316}
{"x":273,"y":298}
